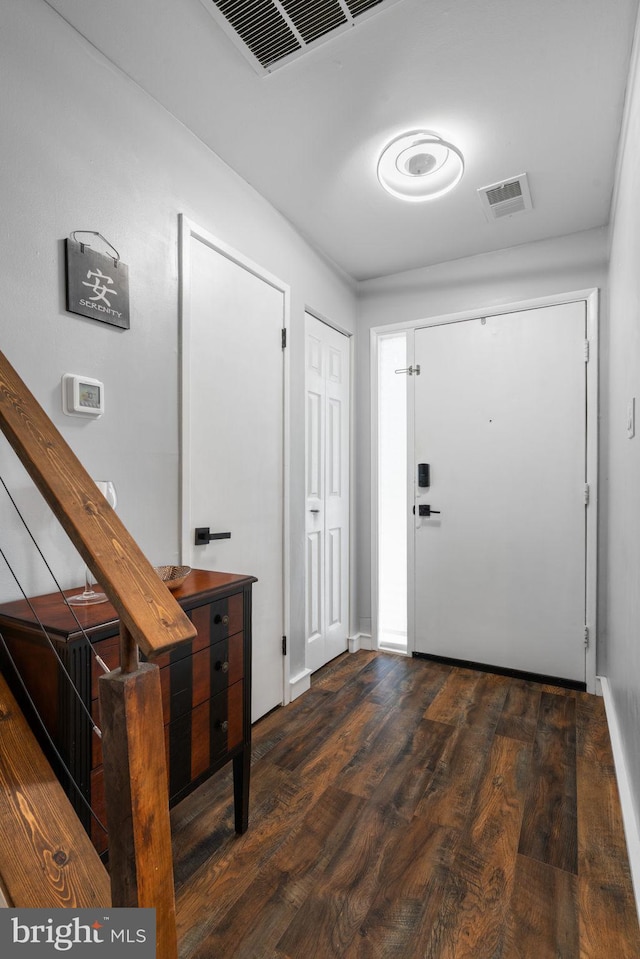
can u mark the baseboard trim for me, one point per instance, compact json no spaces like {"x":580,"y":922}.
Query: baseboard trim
{"x":629,"y":820}
{"x":299,"y":683}
{"x":360,"y":641}
{"x":503,"y":671}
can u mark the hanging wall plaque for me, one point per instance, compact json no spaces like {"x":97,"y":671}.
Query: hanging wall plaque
{"x":97,"y":283}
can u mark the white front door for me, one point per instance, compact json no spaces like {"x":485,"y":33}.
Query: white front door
{"x":500,"y":414}
{"x":327,"y":492}
{"x":234,"y":449}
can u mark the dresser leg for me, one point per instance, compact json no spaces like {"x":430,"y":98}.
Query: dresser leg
{"x":241,"y":775}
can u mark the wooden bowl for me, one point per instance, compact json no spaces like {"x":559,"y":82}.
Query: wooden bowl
{"x":173,"y":576}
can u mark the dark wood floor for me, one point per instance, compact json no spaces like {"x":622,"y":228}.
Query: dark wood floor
{"x":403,"y":809}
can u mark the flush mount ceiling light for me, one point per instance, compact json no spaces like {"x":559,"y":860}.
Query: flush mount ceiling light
{"x":419,"y":166}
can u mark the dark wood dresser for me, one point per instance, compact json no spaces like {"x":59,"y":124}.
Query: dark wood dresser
{"x":206,"y":688}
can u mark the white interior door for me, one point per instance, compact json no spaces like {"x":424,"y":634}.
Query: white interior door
{"x":500,"y":417}
{"x":233,"y":417}
{"x":327,"y":492}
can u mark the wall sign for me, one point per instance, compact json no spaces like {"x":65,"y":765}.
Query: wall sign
{"x":97,"y":283}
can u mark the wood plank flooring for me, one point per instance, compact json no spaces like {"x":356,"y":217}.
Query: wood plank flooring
{"x":403,"y":809}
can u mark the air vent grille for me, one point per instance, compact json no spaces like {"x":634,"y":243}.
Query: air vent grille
{"x":262,"y":28}
{"x":272,"y":32}
{"x":506,"y":198}
{"x":313,"y":20}
{"x":508,"y":191}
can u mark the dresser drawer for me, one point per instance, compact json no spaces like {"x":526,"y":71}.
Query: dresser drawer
{"x":216,"y":668}
{"x":189,"y":681}
{"x":217,"y":620}
{"x":199,"y":739}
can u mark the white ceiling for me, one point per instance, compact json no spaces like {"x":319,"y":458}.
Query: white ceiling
{"x":533,"y":86}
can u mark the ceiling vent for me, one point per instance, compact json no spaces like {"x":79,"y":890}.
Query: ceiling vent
{"x":271,"y":33}
{"x":506,"y":198}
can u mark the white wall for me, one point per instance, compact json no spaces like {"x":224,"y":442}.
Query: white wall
{"x":622,"y":565}
{"x":83,"y":147}
{"x":560,"y":265}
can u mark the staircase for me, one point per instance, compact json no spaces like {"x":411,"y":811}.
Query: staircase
{"x":46,"y":860}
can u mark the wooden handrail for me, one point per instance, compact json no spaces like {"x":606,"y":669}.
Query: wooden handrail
{"x":143,"y":603}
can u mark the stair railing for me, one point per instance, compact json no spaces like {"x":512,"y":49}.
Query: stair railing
{"x":136,"y":791}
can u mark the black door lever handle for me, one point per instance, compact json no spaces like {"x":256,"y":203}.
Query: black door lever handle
{"x":203,"y":536}
{"x":425,"y":510}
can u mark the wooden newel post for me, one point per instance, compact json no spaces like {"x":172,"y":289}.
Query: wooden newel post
{"x":136,"y":792}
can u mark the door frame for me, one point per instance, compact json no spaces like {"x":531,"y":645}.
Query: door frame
{"x":591,"y":299}
{"x":188,"y":230}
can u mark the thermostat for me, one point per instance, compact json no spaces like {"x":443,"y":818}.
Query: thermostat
{"x":82,"y":396}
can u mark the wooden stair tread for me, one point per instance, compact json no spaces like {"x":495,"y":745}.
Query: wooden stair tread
{"x":46,"y":857}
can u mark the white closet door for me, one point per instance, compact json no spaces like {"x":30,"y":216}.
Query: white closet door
{"x":234,"y":479}
{"x":327,"y":492}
